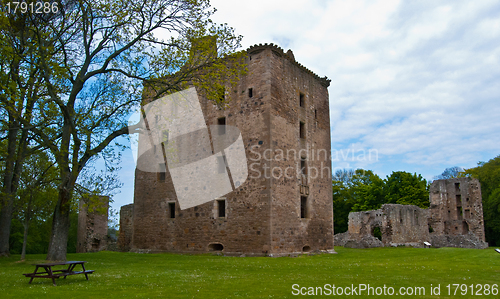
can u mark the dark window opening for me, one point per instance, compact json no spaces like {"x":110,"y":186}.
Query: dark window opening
{"x":457,"y":187}
{"x":459,"y":200}
{"x":302,"y":130}
{"x":306,"y":249}
{"x":431,"y":229}
{"x":222,"y":125}
{"x":250,"y":92}
{"x":303,"y":167}
{"x":215,"y":247}
{"x":171,"y":209}
{"x":303,"y":207}
{"x":315,"y":114}
{"x":162,"y":172}
{"x":377,"y":233}
{"x":301,"y":100}
{"x":221,"y":208}
{"x":465,"y":227}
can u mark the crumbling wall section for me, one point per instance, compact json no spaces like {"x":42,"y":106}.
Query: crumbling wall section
{"x":126,"y":227}
{"x":92,"y":224}
{"x":456,"y":213}
{"x":454,"y":219}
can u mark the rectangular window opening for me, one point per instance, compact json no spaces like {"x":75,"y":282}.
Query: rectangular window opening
{"x":171,"y":209}
{"x":315,"y":114}
{"x":457,"y":187}
{"x":221,"y":208}
{"x":303,"y":207}
{"x":301,"y":100}
{"x":250,"y":92}
{"x":302,"y":130}
{"x":303,"y":166}
{"x":162,"y":172}
{"x":222,"y":125}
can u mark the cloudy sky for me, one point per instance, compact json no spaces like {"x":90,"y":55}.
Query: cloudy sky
{"x":417,"y":82}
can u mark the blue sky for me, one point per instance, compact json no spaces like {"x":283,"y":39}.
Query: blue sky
{"x":417,"y":82}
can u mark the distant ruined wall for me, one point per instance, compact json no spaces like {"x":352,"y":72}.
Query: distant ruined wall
{"x":456,"y":209}
{"x":399,"y":225}
{"x":126,"y":227}
{"x":454,"y":219}
{"x":92,"y":224}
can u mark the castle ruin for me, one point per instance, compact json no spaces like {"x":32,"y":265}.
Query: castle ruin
{"x":285,"y":205}
{"x":454,"y":219}
{"x":92,"y":231}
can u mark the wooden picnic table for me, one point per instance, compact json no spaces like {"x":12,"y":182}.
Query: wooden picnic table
{"x":50,"y":273}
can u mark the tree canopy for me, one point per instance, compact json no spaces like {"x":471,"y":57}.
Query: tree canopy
{"x":88,"y":65}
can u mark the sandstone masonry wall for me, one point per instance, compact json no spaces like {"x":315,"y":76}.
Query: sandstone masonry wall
{"x":263,"y":215}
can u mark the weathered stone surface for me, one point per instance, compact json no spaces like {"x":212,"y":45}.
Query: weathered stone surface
{"x":126,"y":227}
{"x":92,"y":233}
{"x":263,"y":216}
{"x":454,"y":219}
{"x":367,"y":241}
{"x":457,"y":213}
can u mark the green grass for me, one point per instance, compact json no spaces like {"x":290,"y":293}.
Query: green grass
{"x":129,"y":275}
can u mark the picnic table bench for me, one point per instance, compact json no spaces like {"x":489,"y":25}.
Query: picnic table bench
{"x":50,"y":273}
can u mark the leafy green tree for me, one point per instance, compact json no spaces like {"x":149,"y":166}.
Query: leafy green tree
{"x":37,"y":192}
{"x":368,"y":189}
{"x":488,"y":174}
{"x":96,"y":57}
{"x":358,"y":190}
{"x":407,"y":189}
{"x":21,"y":86}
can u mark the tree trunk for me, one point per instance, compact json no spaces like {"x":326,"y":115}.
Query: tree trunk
{"x":27,"y":219}
{"x":7,"y":194}
{"x":25,"y":238}
{"x":5,"y":220}
{"x":60,"y":227}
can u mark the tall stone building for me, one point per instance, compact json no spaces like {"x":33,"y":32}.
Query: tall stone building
{"x":285,"y":204}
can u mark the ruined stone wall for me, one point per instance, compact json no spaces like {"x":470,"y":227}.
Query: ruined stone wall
{"x":263,"y":214}
{"x":363,"y":223}
{"x":454,"y":219}
{"x":456,"y":210}
{"x":92,"y":224}
{"x":126,"y":227}
{"x":404,"y":225}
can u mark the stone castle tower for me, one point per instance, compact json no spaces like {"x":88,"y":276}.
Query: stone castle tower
{"x":285,"y":205}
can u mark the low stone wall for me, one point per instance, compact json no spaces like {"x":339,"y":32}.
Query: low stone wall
{"x":460,"y":241}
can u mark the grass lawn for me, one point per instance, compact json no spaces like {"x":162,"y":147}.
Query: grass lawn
{"x":129,"y":275}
